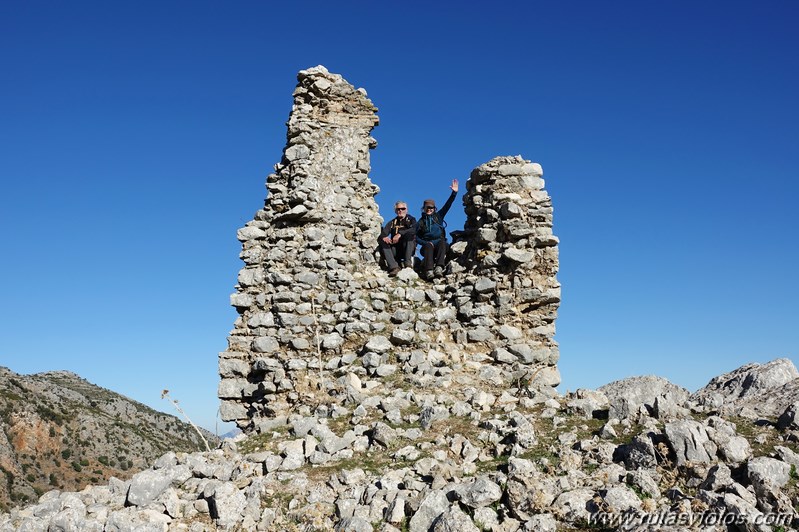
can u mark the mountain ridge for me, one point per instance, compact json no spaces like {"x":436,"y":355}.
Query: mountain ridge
{"x":61,"y":431}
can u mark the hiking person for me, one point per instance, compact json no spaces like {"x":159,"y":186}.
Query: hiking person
{"x":397,"y":239}
{"x":431,"y":234}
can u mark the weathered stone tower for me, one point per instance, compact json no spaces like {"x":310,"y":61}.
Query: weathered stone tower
{"x":322,"y":328}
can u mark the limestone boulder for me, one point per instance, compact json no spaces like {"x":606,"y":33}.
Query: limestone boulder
{"x":647,"y":395}
{"x":762,"y":469}
{"x":575,"y":505}
{"x":433,"y":505}
{"x":146,"y":486}
{"x":482,"y":492}
{"x":588,"y":403}
{"x":690,"y":442}
{"x":454,"y":520}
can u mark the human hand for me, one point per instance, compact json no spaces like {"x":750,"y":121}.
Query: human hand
{"x":396,"y":238}
{"x":454,"y":185}
{"x":387,"y":239}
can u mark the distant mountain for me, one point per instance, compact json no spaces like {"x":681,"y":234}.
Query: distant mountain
{"x":231,"y":433}
{"x":60,"y":431}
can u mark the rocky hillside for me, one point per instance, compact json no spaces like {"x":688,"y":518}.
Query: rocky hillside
{"x":60,"y":431}
{"x":637,"y":454}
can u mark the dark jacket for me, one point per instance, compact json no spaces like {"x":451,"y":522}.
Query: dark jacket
{"x":432,"y":227}
{"x":400,"y":226}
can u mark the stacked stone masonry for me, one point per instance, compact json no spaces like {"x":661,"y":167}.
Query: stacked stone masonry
{"x":322,"y":327}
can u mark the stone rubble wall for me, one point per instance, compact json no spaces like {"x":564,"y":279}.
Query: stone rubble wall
{"x":508,"y":292}
{"x":321,"y":326}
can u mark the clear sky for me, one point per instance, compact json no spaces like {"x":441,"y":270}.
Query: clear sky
{"x":135,"y":138}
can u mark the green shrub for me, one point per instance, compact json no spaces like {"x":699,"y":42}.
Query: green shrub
{"x":9,"y":477}
{"x":49,"y":414}
{"x":21,"y":497}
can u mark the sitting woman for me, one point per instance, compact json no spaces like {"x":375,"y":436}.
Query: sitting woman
{"x":431,"y":235}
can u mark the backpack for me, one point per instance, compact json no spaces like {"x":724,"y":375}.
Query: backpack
{"x":431,"y":228}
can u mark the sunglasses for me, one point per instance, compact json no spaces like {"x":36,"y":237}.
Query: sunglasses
{"x":429,"y":208}
{"x":401,"y":209}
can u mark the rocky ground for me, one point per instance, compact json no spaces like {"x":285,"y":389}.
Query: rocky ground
{"x":58,"y":430}
{"x":636,"y":454}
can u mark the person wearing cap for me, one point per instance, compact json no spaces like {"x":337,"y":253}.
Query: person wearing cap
{"x":398,"y":239}
{"x":431,"y":234}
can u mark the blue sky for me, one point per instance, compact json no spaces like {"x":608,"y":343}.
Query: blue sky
{"x":136,"y":137}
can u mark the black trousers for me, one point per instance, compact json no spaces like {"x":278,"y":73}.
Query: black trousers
{"x":434,"y":253}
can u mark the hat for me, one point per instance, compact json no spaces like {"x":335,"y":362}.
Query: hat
{"x":429,"y":203}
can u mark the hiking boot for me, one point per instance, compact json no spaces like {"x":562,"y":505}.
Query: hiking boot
{"x":393,"y":272}
{"x":427,"y":275}
{"x":438,"y":272}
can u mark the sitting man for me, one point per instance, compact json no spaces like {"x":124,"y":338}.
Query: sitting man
{"x":398,"y":239}
{"x":432,"y":235}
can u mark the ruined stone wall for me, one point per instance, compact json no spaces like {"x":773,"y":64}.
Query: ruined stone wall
{"x":322,"y":328}
{"x":508,"y":291}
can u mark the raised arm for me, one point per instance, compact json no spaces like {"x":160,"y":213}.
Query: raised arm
{"x":443,"y":210}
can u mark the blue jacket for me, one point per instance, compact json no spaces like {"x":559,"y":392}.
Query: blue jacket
{"x":432,"y":227}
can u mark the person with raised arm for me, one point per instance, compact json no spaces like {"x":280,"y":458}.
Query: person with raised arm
{"x":431,"y":235}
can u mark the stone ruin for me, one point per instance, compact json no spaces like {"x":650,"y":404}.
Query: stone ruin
{"x":321,"y":326}
{"x":389,"y":403}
